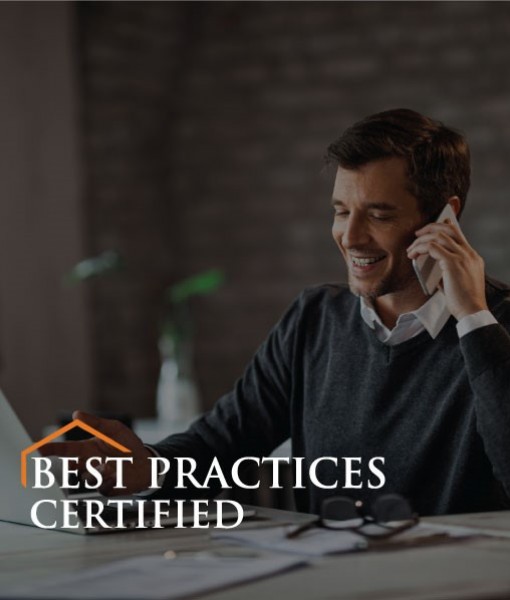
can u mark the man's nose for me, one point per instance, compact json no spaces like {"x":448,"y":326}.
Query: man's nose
{"x":355,"y":232}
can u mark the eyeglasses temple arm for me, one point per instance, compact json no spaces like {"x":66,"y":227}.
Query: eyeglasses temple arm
{"x":302,"y":528}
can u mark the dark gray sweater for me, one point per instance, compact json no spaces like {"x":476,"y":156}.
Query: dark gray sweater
{"x":438,"y":410}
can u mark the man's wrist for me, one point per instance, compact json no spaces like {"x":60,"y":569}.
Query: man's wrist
{"x":472,"y":309}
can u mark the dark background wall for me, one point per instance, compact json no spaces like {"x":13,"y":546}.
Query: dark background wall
{"x":191,"y":135}
{"x":45,"y":350}
{"x":205,"y":125}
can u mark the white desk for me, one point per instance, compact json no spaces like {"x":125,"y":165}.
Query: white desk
{"x":469,"y":569}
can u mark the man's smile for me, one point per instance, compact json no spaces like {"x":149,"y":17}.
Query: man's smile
{"x":365,"y":263}
{"x":375,"y":220}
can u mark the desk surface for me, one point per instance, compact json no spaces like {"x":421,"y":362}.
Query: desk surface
{"x":469,"y":569}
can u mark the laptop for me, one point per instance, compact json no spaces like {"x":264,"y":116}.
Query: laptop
{"x":16,"y":501}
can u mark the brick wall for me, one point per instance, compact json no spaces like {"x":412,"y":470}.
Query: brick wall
{"x":204,"y":129}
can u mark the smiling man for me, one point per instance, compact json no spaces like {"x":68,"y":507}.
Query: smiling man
{"x":376,"y":369}
{"x":375,"y":220}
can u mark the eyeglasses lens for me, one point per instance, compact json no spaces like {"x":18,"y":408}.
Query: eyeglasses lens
{"x":340,"y":513}
{"x":391,"y":507}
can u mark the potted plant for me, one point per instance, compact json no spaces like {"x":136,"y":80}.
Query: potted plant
{"x":178,"y":398}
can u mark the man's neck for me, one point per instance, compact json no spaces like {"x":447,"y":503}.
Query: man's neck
{"x":390,"y":306}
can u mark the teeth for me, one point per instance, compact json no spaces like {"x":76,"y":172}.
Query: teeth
{"x":363,"y":262}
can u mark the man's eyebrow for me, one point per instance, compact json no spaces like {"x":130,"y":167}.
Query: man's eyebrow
{"x":381,"y":206}
{"x":373,"y":205}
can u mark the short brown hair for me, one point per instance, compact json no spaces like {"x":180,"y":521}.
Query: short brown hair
{"x":438,"y":159}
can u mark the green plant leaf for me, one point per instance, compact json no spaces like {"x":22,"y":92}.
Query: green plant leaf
{"x":107,"y":262}
{"x":202,"y":284}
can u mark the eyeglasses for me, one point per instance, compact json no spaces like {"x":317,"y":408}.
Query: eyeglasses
{"x":390,"y":514}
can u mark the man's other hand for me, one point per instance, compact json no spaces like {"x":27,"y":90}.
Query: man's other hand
{"x":463,"y":269}
{"x":136,"y":476}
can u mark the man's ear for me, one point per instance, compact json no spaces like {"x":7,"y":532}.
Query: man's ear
{"x":454,"y":202}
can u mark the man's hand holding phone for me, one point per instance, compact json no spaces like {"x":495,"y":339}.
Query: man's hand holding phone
{"x":462,"y":268}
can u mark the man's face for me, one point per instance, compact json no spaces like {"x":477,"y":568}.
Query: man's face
{"x":375,"y":220}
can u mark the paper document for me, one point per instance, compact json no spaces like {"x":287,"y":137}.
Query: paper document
{"x":312,"y":542}
{"x":156,"y":578}
{"x":319,"y":541}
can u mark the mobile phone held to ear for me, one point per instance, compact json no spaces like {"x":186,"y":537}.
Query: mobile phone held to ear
{"x":426,"y":268}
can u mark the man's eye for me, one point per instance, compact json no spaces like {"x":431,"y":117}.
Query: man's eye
{"x":381,"y":217}
{"x":341,"y":213}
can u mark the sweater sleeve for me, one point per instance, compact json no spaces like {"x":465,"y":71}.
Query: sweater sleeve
{"x":251,"y":420}
{"x":486,"y":353}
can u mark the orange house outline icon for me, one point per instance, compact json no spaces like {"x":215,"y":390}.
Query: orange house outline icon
{"x":76,"y":423}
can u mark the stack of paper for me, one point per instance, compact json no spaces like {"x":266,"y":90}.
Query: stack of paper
{"x":312,"y":542}
{"x":318,"y":541}
{"x":156,"y":578}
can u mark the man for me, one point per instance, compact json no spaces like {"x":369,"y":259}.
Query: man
{"x":376,"y":369}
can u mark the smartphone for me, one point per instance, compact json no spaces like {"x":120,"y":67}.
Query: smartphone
{"x":426,"y":268}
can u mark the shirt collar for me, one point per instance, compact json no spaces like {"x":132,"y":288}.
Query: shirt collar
{"x":433,"y":315}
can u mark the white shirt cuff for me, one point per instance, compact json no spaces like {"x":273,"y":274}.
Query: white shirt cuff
{"x":161,"y":478}
{"x":471,"y":322}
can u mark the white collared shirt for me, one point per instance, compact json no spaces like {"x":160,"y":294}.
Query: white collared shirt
{"x":431,"y":316}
